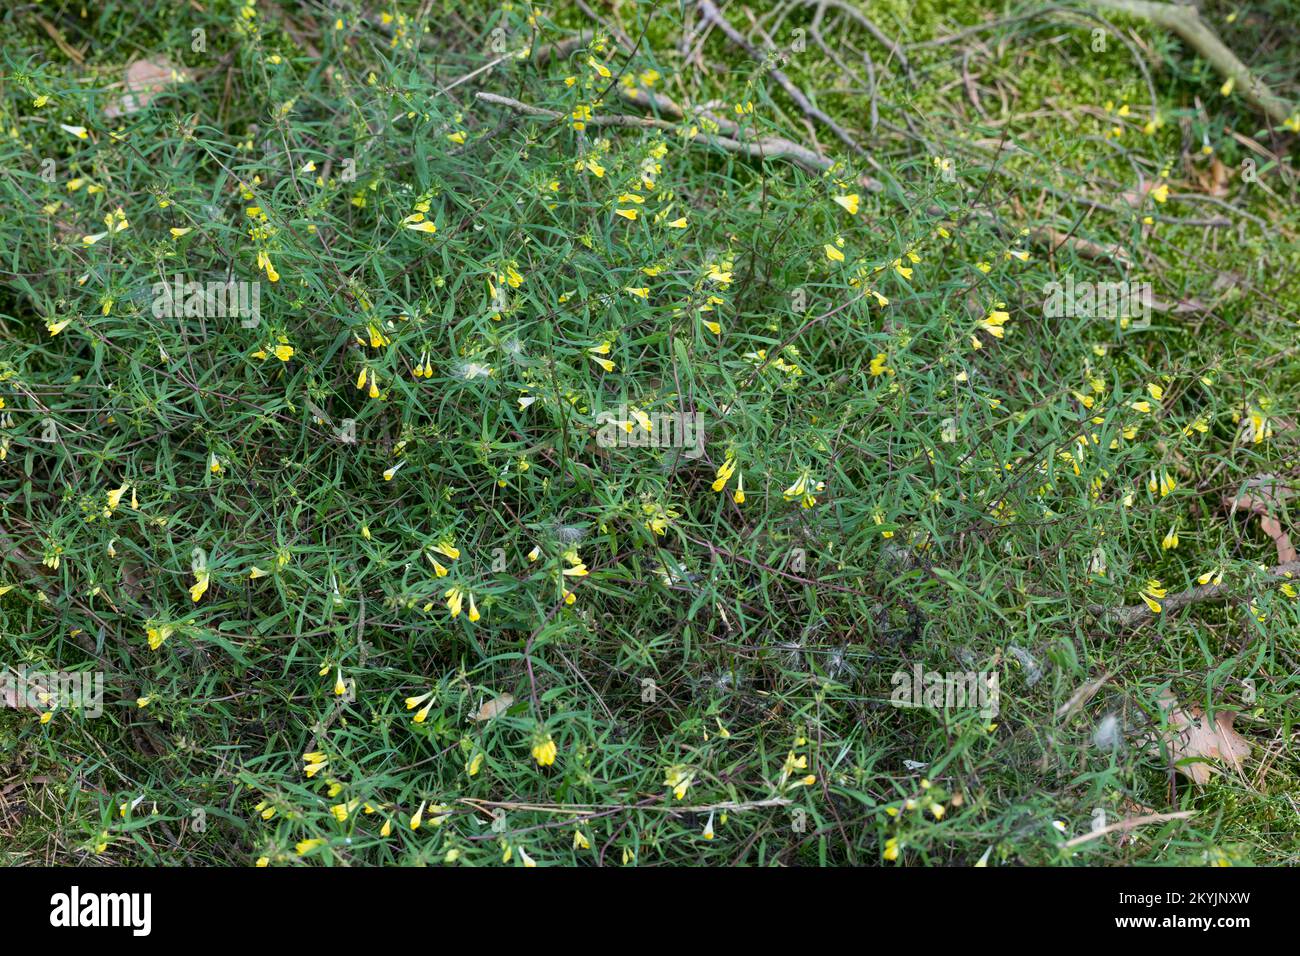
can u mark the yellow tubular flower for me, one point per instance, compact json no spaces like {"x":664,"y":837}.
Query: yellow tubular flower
{"x":725,"y":471}
{"x":848,"y":203}
{"x":544,"y":751}
{"x":115,"y":496}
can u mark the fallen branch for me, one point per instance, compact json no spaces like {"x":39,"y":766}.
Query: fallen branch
{"x":1186,"y":22}
{"x":1134,"y":613}
{"x":768,"y":147}
{"x":1129,"y":823}
{"x":1054,"y":239}
{"x":713,"y":15}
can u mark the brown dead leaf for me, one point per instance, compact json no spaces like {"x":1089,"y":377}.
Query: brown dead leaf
{"x":1264,"y":495}
{"x":1213,"y":181}
{"x":495,"y":707}
{"x":1196,"y":739}
{"x":145,"y":79}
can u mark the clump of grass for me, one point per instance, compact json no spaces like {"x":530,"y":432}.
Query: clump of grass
{"x":369,"y":582}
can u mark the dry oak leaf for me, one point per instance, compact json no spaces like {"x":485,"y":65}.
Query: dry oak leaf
{"x":145,"y":79}
{"x":494,"y":707}
{"x":1194,"y":739}
{"x":1264,"y":496}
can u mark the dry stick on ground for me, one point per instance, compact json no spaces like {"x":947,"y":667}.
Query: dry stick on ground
{"x":1186,"y":22}
{"x":1134,"y":613}
{"x":1129,"y":823}
{"x":774,"y":146}
{"x":859,"y":18}
{"x":769,"y":147}
{"x":713,"y":15}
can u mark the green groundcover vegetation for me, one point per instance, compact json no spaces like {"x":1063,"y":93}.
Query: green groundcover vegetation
{"x":646,"y":433}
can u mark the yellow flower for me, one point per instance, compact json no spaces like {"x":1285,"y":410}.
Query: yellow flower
{"x":473,"y":609}
{"x":797,"y":489}
{"x":1170,"y":540}
{"x":77,"y":131}
{"x":314,"y":762}
{"x":628,"y":214}
{"x":679,"y":778}
{"x":528,"y":860}
{"x":475,"y":764}
{"x":878,"y":366}
{"x":418,"y":817}
{"x":993,"y":323}
{"x":544,"y":751}
{"x":1151,"y":593}
{"x":303,"y":847}
{"x":340,"y":688}
{"x":284,"y":352}
{"x":849,"y":203}
{"x":739,"y":496}
{"x":833,"y":254}
{"x":158,"y":635}
{"x":115,"y":496}
{"x":708,"y":825}
{"x":580,"y":842}
{"x":1214,"y":575}
{"x":177,"y":233}
{"x":447,"y":549}
{"x":200,"y":586}
{"x":577,"y":569}
{"x":891,"y":849}
{"x":725,"y":471}
{"x":454,"y":596}
{"x":1161,"y":193}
